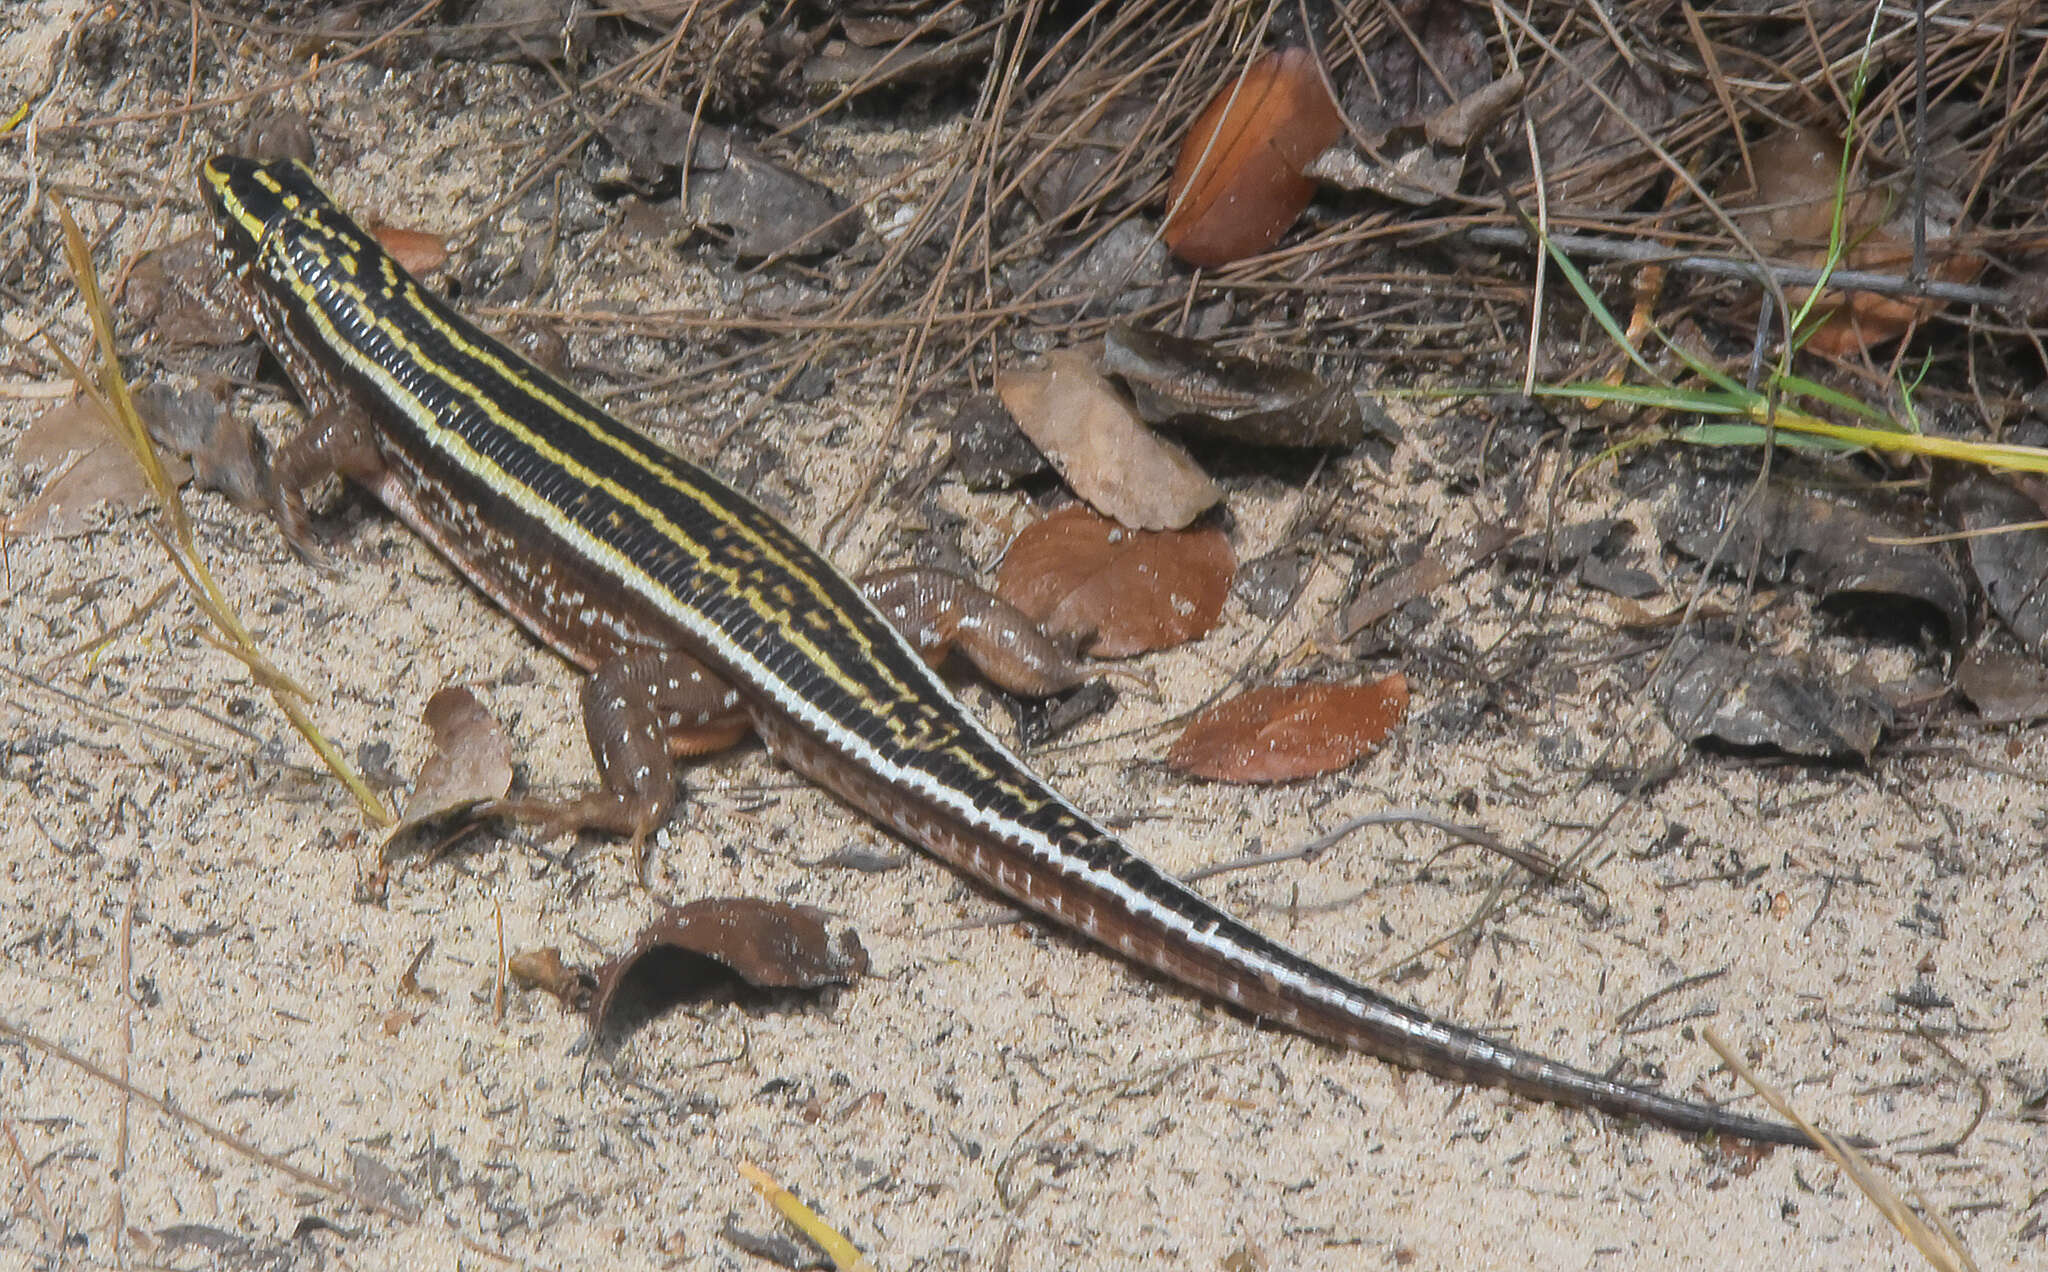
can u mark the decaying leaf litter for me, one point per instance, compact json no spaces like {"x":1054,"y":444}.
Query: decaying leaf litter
{"x":955,"y":193}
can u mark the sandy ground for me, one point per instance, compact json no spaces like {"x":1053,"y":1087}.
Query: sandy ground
{"x":993,"y":1096}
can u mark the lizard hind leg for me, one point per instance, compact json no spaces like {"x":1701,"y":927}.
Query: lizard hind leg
{"x":338,"y":440}
{"x":641,"y":712}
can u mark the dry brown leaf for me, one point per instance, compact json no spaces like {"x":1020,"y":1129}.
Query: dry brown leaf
{"x":1238,"y":183}
{"x":182,"y":296}
{"x":1095,"y":439}
{"x":227,"y":453}
{"x":471,"y":760}
{"x":1280,"y":734}
{"x":767,"y":944}
{"x":1198,"y":386}
{"x":1791,"y":214}
{"x":543,"y":969}
{"x":1125,"y":591}
{"x":86,"y":465}
{"x":419,"y":252}
{"x":1592,"y":157}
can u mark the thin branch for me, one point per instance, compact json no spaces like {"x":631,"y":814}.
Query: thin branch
{"x":1862,"y":280}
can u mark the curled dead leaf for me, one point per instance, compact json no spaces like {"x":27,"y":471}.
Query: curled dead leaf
{"x":1124,"y":591}
{"x":1096,"y":441}
{"x":1716,"y":692}
{"x":228,"y":455}
{"x":767,"y":944}
{"x":543,"y":969}
{"x":471,"y":761}
{"x":1238,"y":183}
{"x":2006,"y":555}
{"x":85,"y":465}
{"x":1196,"y":385}
{"x":1283,"y":733}
{"x":181,"y":296}
{"x":420,"y":252}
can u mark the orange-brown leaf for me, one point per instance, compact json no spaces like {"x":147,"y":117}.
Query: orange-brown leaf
{"x":1238,"y":182}
{"x":1125,"y":591}
{"x":420,"y":252}
{"x":1280,"y":734}
{"x":1791,"y":213}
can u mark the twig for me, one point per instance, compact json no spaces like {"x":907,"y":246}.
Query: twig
{"x":1628,"y":1014}
{"x":1535,"y":863}
{"x":1956,"y":1141}
{"x":217,"y":1133}
{"x":1542,"y":186}
{"x":52,"y":1225}
{"x":127,"y":989}
{"x":1728,"y":267}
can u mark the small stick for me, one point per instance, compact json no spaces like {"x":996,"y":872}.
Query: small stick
{"x":51,"y":1224}
{"x":498,"y":992}
{"x":1862,"y":280}
{"x":127,"y":988}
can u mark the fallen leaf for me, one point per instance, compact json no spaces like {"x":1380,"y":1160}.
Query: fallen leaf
{"x":1421,"y":570}
{"x":1279,"y":734}
{"x":2010,"y":565}
{"x":1043,"y":720}
{"x":642,"y":150}
{"x":1791,"y":214}
{"x":1567,"y":546}
{"x":989,"y":449}
{"x":1239,"y":183}
{"x":2005,"y":688}
{"x":1831,"y":544}
{"x":1424,"y":93}
{"x":1081,"y":170}
{"x":1418,"y":177}
{"x":1123,"y":591}
{"x":1410,"y":582}
{"x":85,"y":465}
{"x":181,"y":296}
{"x":537,"y":31}
{"x":1268,"y":585}
{"x":1098,"y":444}
{"x":841,"y":66}
{"x":1588,"y":550}
{"x":1432,"y":59}
{"x":471,"y":760}
{"x":1713,"y":691}
{"x":419,"y":252}
{"x":769,"y":209}
{"x":1193,"y":384}
{"x":227,"y":454}
{"x":1464,"y":121}
{"x":278,"y":132}
{"x":872,"y":30}
{"x":543,"y":969}
{"x":1593,"y":158}
{"x":767,"y":944}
